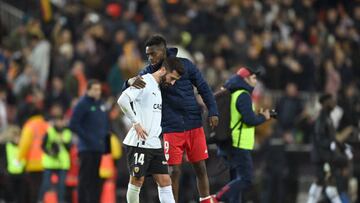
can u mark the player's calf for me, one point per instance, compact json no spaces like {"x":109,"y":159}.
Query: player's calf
{"x":134,"y":187}
{"x":164,"y":188}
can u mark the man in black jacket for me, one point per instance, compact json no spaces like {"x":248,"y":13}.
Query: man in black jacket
{"x":324,"y":146}
{"x":90,"y":122}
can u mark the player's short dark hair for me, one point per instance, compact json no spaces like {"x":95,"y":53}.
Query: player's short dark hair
{"x":156,"y":40}
{"x":174,"y":63}
{"x":92,"y":82}
{"x":325,"y":97}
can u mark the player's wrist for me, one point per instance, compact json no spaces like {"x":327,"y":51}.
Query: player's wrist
{"x":136,"y":123}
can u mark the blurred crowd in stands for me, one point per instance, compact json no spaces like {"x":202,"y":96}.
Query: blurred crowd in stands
{"x":303,"y":47}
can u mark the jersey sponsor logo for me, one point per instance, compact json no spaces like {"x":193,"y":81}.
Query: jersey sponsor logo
{"x":157,"y":106}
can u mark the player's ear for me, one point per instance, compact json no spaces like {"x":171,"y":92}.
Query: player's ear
{"x":163,"y":69}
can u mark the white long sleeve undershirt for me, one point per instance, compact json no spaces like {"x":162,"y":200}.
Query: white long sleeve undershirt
{"x":124,"y":103}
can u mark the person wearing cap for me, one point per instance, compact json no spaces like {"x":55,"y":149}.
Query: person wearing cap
{"x":243,"y":120}
{"x":324,"y":149}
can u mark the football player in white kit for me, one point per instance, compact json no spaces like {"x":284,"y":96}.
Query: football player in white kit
{"x":145,"y":153}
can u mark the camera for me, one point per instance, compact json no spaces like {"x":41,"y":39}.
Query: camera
{"x":273,"y":113}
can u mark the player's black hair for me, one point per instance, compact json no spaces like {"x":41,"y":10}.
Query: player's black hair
{"x":325,"y":97}
{"x":173,"y":63}
{"x":156,"y":40}
{"x":92,"y":82}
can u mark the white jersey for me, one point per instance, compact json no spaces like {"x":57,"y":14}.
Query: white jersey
{"x":146,"y":105}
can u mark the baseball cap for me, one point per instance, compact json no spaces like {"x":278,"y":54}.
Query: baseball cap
{"x":246,"y":71}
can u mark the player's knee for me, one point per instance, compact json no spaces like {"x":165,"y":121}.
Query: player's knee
{"x":200,"y":169}
{"x":137,"y":181}
{"x":164,"y":181}
{"x":331,"y":192}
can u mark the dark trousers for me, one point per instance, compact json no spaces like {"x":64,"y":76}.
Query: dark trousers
{"x":89,"y":180}
{"x":33,"y":182}
{"x":241,"y":174}
{"x":47,"y":185}
{"x":13,"y":189}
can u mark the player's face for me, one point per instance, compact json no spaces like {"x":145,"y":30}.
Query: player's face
{"x":252,"y":80}
{"x":95,"y":91}
{"x":169,"y":78}
{"x":331,"y":104}
{"x":155,"y":54}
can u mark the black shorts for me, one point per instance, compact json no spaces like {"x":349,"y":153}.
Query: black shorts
{"x":321,"y":174}
{"x":145,"y":162}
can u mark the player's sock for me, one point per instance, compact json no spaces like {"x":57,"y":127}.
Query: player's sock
{"x":314,"y":193}
{"x":333,"y":194}
{"x":206,"y":199}
{"x":132,"y":194}
{"x":166,"y":194}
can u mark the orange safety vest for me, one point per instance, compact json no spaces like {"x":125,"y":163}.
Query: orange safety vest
{"x":31,"y":139}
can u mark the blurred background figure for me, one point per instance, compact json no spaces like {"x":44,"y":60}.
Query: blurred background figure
{"x":324,"y":147}
{"x":90,"y":122}
{"x":56,"y":157}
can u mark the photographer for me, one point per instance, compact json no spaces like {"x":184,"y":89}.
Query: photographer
{"x":243,"y":120}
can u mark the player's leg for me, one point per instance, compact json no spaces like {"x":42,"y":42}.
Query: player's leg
{"x":202,"y":180}
{"x":173,"y":148}
{"x":134,"y":187}
{"x":331,"y":190}
{"x":159,"y":169}
{"x":316,"y":188}
{"x":138,"y":163}
{"x":164,"y":188}
{"x":175,"y":173}
{"x":314,"y":193}
{"x":332,"y":194}
{"x":197,"y":153}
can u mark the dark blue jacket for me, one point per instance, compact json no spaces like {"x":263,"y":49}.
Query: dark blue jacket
{"x":180,"y":110}
{"x":90,"y":122}
{"x":244,"y":102}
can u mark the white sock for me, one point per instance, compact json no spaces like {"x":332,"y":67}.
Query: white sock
{"x":166,"y":194}
{"x":204,"y":198}
{"x":132,"y":194}
{"x":314,"y":193}
{"x":333,"y":194}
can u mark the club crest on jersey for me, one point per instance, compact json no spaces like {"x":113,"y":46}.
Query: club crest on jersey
{"x":157,"y":106}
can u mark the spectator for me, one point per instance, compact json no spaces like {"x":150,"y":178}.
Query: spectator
{"x":57,"y":94}
{"x":115,"y":78}
{"x":289,"y":108}
{"x":39,"y":58}
{"x":76,"y":81}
